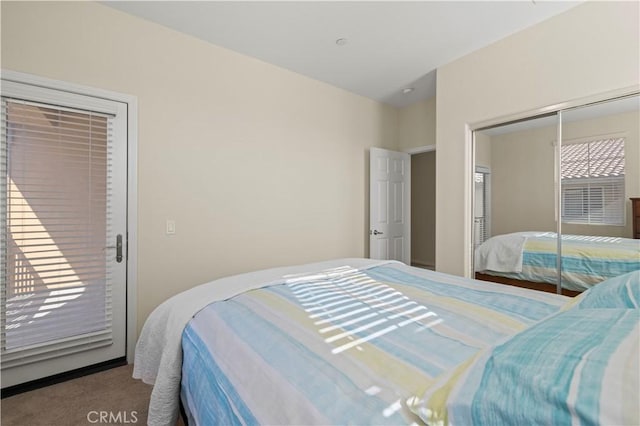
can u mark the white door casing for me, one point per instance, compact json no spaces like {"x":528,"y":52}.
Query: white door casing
{"x":390,"y":205}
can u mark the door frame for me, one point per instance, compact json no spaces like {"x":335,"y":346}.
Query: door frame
{"x":419,"y":149}
{"x":132,"y":183}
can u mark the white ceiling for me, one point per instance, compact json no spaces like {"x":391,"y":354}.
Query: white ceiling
{"x":391,"y":45}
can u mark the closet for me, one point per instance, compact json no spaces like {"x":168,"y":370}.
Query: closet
{"x":553,"y":192}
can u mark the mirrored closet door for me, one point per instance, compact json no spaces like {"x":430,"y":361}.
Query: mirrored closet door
{"x":552,"y":208}
{"x":600,"y":163}
{"x":515,"y":216}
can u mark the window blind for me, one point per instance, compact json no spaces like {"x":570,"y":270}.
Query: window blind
{"x":56,"y":294}
{"x":480,"y":219}
{"x":593,"y":182}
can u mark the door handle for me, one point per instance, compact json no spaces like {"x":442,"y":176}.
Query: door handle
{"x":375,"y":232}
{"x":118,"y":248}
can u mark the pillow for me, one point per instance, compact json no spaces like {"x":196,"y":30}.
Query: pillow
{"x":621,"y":292}
{"x":576,"y":367}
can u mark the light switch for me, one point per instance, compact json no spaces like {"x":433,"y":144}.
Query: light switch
{"x":171,"y":226}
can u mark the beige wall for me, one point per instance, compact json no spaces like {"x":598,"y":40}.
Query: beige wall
{"x":423,"y":209}
{"x":565,"y":58}
{"x":523,"y":176}
{"x":417,"y":125}
{"x":258,"y":166}
{"x":416,"y":129}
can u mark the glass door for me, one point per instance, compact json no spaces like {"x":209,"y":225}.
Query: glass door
{"x":63,"y":205}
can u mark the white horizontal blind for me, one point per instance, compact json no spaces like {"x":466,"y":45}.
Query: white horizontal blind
{"x":56,"y":286}
{"x":593,"y":182}
{"x":480,"y":219}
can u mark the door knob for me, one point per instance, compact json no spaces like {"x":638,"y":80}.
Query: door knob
{"x":376,"y":232}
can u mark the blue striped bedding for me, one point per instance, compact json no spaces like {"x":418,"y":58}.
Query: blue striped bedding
{"x":577,"y":368}
{"x":586,"y":260}
{"x":344,"y":346}
{"x":580,"y":366}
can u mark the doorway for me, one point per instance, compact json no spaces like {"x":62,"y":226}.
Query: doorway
{"x":423,"y":212}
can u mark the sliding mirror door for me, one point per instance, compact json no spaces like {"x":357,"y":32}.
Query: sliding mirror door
{"x":571,"y":173}
{"x":600,"y":172}
{"x":514,"y":203}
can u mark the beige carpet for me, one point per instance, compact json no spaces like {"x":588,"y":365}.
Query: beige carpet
{"x":108,"y":397}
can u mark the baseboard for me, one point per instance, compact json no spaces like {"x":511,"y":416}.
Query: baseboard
{"x":423,"y":264}
{"x":62,"y":377}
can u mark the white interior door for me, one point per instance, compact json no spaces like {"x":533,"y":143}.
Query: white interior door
{"x":63,"y":210}
{"x":390,"y":205}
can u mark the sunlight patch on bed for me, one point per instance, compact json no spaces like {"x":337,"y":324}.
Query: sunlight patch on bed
{"x":351,"y":308}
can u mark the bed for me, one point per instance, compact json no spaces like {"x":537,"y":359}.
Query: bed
{"x":529,"y":259}
{"x":357,"y":341}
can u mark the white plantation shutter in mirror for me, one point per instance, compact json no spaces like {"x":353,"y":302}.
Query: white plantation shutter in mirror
{"x":482,"y":202}
{"x":56,"y":286}
{"x":593,"y":176}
